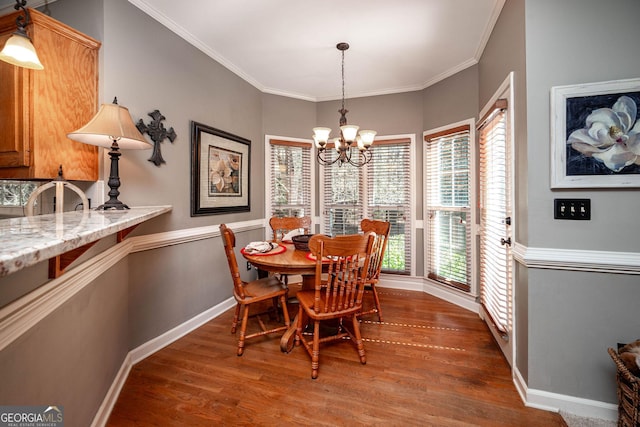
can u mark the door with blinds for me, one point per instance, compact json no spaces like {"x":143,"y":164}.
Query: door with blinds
{"x":495,"y":225}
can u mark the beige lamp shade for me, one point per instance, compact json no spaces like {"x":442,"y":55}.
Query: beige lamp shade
{"x":19,"y":51}
{"x":112,"y":124}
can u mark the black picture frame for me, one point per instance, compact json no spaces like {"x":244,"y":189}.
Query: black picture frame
{"x":220,"y":164}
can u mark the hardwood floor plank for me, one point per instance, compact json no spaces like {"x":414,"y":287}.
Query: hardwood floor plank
{"x":430,"y":363}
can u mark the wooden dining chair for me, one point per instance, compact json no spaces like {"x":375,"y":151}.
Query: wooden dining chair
{"x":381,"y":230}
{"x":280,"y":226}
{"x":247,"y":293}
{"x":341,"y":266}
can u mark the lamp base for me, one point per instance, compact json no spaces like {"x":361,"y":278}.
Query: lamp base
{"x":112,"y":204}
{"x":114,"y":182}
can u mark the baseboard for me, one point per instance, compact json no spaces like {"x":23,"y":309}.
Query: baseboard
{"x":406,"y":283}
{"x":102,"y":415}
{"x":150,"y":347}
{"x":412,"y":283}
{"x":161,"y":341}
{"x":556,"y":402}
{"x":465,"y":301}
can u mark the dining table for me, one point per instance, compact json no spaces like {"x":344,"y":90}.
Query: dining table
{"x":285,"y":259}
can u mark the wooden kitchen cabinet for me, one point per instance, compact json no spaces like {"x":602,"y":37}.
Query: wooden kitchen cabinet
{"x":38,"y":108}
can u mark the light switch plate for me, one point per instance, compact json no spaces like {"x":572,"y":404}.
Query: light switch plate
{"x":576,"y":209}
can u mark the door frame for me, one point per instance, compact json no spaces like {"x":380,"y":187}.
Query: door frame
{"x":505,"y":90}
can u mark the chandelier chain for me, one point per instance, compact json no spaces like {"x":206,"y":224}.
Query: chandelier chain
{"x":343,"y":79}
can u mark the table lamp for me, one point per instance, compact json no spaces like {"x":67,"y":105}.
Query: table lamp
{"x":112,"y":127}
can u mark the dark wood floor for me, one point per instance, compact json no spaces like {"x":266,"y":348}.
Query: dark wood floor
{"x":429,"y":364}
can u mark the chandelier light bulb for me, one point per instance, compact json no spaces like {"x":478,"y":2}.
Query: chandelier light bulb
{"x":367,"y":137}
{"x":321,"y":134}
{"x":349,"y":132}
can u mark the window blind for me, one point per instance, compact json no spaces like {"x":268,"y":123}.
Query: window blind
{"x":290,"y":183}
{"x":342,"y":197}
{"x":495,"y":274}
{"x":447,"y":195}
{"x":389,"y":199}
{"x":380,"y":190}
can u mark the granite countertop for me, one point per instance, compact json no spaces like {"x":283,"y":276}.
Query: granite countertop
{"x":25,"y":241}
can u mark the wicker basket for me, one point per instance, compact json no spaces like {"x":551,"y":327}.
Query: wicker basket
{"x":628,"y":394}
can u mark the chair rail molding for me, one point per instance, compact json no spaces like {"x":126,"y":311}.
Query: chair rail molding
{"x":577,"y":259}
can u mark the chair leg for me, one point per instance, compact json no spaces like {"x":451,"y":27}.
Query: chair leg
{"x":300,"y":325}
{"x":276,"y":309}
{"x":285,"y":310}
{"x":376,"y":301}
{"x":243,"y":329}
{"x":234,"y":324}
{"x":358,"y":337}
{"x":315,"y":354}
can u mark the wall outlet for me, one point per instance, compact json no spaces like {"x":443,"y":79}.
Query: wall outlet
{"x":577,"y":209}
{"x":248,"y":266}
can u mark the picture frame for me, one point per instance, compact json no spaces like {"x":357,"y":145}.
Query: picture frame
{"x":220,"y":164}
{"x":592,"y":142}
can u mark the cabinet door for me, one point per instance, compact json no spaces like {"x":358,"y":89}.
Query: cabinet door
{"x":14,"y":114}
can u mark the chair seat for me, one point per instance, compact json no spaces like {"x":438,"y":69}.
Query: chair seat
{"x":261,"y":289}
{"x":306,"y":300}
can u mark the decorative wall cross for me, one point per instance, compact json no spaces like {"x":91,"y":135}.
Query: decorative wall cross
{"x":158,"y":133}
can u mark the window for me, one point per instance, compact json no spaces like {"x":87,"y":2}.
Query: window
{"x":380,"y":190}
{"x":448,"y":205}
{"x":14,"y":196}
{"x":289,"y":176}
{"x":16,"y":193}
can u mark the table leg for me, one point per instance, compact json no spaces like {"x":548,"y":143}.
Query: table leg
{"x":288,"y":338}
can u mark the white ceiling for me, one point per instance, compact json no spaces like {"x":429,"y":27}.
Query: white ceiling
{"x":287,"y":47}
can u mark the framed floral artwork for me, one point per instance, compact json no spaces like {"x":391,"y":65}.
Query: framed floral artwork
{"x":220,"y":164}
{"x":595,"y":135}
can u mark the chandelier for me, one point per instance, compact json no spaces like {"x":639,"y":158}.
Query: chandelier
{"x":348,"y":135}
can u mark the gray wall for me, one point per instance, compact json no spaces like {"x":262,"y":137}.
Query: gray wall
{"x":149,"y":67}
{"x":72,"y":357}
{"x":566,"y":320}
{"x":574,"y":317}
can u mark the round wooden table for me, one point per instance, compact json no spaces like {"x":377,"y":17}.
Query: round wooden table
{"x":291,"y":261}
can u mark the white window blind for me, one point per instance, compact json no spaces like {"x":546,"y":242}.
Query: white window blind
{"x":380,"y":190}
{"x":447,"y":195}
{"x":389,"y":199}
{"x":495,"y":274}
{"x":290,"y":172}
{"x":343,"y":197}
